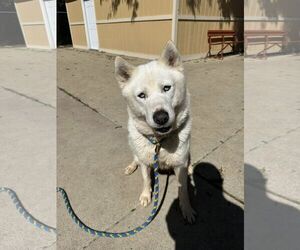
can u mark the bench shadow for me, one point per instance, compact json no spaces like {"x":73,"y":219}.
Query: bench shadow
{"x":220,"y":223}
{"x":269,"y":224}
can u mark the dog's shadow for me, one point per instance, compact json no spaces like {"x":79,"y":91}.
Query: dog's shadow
{"x":219,"y":224}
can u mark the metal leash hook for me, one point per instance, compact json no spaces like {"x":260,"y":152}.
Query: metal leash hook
{"x":157,"y":148}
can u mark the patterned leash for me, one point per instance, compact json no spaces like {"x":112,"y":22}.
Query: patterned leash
{"x":132,"y":232}
{"x":22,"y":210}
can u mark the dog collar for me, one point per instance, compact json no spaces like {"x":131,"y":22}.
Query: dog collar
{"x":152,"y":139}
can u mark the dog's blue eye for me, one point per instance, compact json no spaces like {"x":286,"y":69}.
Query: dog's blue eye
{"x":142,"y":95}
{"x":167,"y":88}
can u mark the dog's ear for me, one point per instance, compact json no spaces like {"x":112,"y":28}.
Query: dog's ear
{"x":123,"y":71}
{"x":170,"y":56}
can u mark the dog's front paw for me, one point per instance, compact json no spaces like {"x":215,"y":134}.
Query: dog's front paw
{"x":145,"y":198}
{"x":188,"y":213}
{"x":130,"y":168}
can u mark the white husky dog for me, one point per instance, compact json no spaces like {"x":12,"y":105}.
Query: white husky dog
{"x":158,"y":106}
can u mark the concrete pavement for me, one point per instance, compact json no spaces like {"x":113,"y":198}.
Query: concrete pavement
{"x":93,"y":151}
{"x":272,"y":155}
{"x":28,"y":145}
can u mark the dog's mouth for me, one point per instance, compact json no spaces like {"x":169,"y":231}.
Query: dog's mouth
{"x":163,"y":130}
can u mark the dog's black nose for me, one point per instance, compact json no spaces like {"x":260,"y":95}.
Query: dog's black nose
{"x":161,"y":117}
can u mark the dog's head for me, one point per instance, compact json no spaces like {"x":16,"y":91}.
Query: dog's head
{"x":156,"y":91}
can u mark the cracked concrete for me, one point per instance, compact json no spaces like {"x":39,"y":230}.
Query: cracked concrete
{"x":28,"y":145}
{"x":93,"y":152}
{"x":90,"y":108}
{"x":272,"y":122}
{"x":265,"y":142}
{"x":28,"y":97}
{"x":91,"y":116}
{"x":272,"y":153}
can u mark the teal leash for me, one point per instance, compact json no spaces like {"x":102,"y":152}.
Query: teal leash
{"x":22,"y":210}
{"x":129,"y":233}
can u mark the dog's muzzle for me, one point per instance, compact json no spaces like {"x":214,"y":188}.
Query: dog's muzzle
{"x":160,"y":117}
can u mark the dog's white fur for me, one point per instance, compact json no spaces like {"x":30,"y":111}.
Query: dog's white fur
{"x":151,"y":80}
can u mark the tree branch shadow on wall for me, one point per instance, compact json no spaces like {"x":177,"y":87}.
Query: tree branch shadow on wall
{"x":131,"y":4}
{"x":219,"y":224}
{"x":287,"y":10}
{"x":231,"y":11}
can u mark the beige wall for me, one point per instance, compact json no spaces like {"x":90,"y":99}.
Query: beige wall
{"x":150,"y":29}
{"x":29,"y":11}
{"x":105,"y":11}
{"x":78,"y":36}
{"x":263,"y":25}
{"x":192,"y":36}
{"x":32,"y":23}
{"x":286,"y":14}
{"x":76,"y":22}
{"x":36,"y":36}
{"x":140,"y":37}
{"x":74,"y":10}
{"x":200,"y":8}
{"x":253,"y":15}
{"x":197,"y":17}
{"x":145,"y":35}
{"x":252,"y":8}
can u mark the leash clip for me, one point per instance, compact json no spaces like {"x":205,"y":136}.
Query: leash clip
{"x":157,"y":148}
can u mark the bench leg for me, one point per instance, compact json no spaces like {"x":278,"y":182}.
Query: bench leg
{"x":220,"y":53}
{"x":222,"y":47}
{"x":245,"y":45}
{"x":209,"y":48}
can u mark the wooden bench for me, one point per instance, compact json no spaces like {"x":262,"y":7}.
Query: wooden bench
{"x":225,"y":38}
{"x":268,"y":38}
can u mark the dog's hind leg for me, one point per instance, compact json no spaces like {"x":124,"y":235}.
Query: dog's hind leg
{"x":132,"y":166}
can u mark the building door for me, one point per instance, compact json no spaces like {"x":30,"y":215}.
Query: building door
{"x":91,"y":27}
{"x":50,"y":8}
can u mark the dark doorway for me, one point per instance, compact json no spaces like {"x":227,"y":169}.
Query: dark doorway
{"x":63,"y":28}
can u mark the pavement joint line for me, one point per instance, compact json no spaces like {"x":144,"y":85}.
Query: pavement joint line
{"x":266,"y":190}
{"x":28,"y":97}
{"x":134,"y":209}
{"x":53,"y":243}
{"x":213,"y":150}
{"x":221,"y":189}
{"x":117,"y":125}
{"x":119,"y":220}
{"x":218,"y":146}
{"x":112,"y":226}
{"x":275,"y":138}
